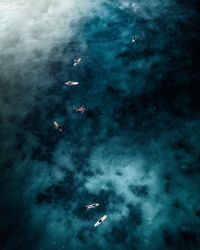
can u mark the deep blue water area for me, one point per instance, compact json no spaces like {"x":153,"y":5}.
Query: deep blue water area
{"x":135,"y":150}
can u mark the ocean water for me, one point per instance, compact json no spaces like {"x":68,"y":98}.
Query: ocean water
{"x":135,"y":150}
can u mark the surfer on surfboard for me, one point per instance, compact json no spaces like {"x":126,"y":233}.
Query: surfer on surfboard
{"x":58,"y":127}
{"x":70,"y":83}
{"x":80,"y":109}
{"x":77,"y":62}
{"x":102,"y":219}
{"x":92,"y":205}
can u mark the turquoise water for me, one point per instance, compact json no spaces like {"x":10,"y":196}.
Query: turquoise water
{"x":136,"y":148}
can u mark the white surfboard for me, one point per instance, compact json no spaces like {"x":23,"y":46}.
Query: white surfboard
{"x":102,"y":219}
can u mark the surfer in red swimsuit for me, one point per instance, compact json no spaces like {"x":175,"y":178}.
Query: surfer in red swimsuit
{"x":80,"y":109}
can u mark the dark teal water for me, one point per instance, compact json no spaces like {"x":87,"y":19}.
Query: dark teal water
{"x":136,"y":148}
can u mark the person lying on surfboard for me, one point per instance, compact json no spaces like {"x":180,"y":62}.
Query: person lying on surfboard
{"x":81,"y":109}
{"x":102,"y":219}
{"x":92,"y":205}
{"x":58,"y":127}
{"x":77,"y":61}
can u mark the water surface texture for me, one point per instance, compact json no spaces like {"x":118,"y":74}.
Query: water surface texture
{"x":135,"y":150}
